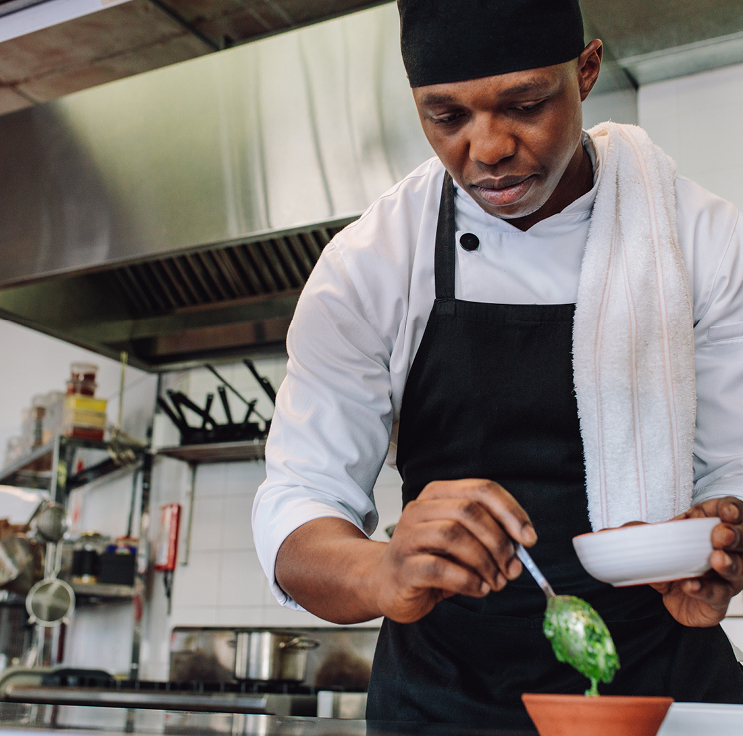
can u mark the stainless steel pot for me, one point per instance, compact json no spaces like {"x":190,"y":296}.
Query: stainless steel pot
{"x":272,"y":655}
{"x":16,"y":563}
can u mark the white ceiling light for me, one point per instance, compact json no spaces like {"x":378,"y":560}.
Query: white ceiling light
{"x":50,"y":13}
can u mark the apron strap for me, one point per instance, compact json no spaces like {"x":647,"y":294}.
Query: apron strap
{"x":445,"y":256}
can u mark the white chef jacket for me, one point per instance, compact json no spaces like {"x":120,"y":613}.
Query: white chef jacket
{"x":362,"y":314}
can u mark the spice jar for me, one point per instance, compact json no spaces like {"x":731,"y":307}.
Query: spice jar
{"x":82,"y":379}
{"x":86,"y":557}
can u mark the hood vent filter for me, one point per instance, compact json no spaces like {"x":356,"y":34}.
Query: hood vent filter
{"x":226,"y":301}
{"x":281,"y":264}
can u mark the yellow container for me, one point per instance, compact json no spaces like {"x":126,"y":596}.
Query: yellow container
{"x":84,"y":416}
{"x":81,"y":418}
{"x":85,"y":403}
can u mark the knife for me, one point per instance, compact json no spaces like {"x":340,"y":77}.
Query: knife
{"x":178,"y":397}
{"x":264,"y":382}
{"x":225,"y":404}
{"x":209,"y":399}
{"x":171,"y":415}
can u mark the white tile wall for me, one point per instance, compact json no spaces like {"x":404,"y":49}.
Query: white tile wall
{"x":237,"y":532}
{"x":194,"y":616}
{"x":697,"y":121}
{"x":212,"y":480}
{"x":620,"y":107}
{"x":206,"y":534}
{"x":100,"y":637}
{"x":237,"y":615}
{"x":241,"y":579}
{"x":388,"y":499}
{"x":223,"y":580}
{"x":197,"y":583}
{"x":243,"y":478}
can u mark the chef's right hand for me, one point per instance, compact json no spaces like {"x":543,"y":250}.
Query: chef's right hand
{"x":456,"y":537}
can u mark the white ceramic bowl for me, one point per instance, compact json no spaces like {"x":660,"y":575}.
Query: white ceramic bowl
{"x":648,"y":553}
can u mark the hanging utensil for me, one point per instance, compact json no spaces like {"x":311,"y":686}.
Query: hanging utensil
{"x":207,"y":406}
{"x":226,"y":383}
{"x":176,"y":399}
{"x":49,"y":521}
{"x":179,"y":398}
{"x":182,"y":428}
{"x":251,"y":409}
{"x":225,"y":404}
{"x":264,"y":382}
{"x":51,"y":601}
{"x":122,"y":381}
{"x":250,"y":404}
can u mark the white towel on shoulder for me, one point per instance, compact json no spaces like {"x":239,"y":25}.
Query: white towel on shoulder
{"x":633,"y":345}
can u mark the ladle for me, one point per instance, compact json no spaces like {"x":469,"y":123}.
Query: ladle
{"x":577,"y":633}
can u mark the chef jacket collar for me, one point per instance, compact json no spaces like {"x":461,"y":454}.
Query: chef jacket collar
{"x":473,"y":218}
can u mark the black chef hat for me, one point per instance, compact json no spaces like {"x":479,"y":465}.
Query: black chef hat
{"x":454,"y":40}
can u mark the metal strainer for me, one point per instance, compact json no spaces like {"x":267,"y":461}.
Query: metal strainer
{"x":50,"y":602}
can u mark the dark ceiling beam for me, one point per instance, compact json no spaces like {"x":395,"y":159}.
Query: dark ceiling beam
{"x":296,"y":25}
{"x":187,"y":26}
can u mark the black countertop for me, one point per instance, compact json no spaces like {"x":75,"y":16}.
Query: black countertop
{"x":90,"y":719}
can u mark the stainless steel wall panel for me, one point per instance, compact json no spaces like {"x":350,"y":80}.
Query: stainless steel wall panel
{"x":297,"y":129}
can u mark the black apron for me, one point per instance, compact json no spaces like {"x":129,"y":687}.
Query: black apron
{"x":490,"y":395}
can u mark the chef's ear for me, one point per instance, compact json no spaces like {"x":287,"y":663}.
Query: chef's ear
{"x":589,"y":65}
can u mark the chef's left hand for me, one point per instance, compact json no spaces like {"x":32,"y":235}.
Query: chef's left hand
{"x":703,"y":601}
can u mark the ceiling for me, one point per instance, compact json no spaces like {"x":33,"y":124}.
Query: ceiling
{"x":139,"y":36}
{"x":661,"y":39}
{"x":649,"y":39}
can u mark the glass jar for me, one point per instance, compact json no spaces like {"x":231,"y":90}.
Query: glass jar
{"x":82,"y":379}
{"x":86,"y":557}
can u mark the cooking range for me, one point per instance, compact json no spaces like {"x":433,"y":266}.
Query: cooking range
{"x":315,"y":671}
{"x":61,"y":686}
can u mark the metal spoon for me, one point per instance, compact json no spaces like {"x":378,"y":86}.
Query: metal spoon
{"x":577,"y":633}
{"x":536,"y":573}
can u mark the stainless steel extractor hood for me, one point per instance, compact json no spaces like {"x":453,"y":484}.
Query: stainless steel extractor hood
{"x":177,"y":214}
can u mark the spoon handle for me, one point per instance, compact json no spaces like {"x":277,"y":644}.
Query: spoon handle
{"x":530,"y":565}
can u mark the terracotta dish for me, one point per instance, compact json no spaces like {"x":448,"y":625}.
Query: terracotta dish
{"x":581,"y":715}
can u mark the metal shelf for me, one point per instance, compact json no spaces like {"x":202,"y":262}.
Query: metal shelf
{"x":37,"y":469}
{"x":104,"y":591}
{"x":38,"y":458}
{"x":218,"y":452}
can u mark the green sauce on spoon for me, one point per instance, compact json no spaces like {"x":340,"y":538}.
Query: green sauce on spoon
{"x":579,"y":637}
{"x":577,"y":633}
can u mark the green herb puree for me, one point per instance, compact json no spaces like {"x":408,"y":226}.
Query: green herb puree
{"x":579,"y":637}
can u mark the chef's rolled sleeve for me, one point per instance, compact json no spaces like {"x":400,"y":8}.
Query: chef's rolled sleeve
{"x":331,"y":429}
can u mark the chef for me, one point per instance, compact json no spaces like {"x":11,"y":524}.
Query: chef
{"x":544,"y":327}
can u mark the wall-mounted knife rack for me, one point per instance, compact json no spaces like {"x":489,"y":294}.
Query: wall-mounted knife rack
{"x":210,"y":431}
